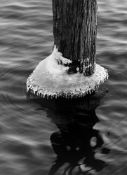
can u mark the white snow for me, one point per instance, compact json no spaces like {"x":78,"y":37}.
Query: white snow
{"x":51,"y":78}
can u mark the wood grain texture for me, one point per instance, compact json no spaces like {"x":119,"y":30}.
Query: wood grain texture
{"x":75,"y":30}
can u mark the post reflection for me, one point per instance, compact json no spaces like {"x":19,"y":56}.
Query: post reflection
{"x":76,"y":141}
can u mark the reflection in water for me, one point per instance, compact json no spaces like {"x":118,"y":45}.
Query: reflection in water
{"x":76,"y":141}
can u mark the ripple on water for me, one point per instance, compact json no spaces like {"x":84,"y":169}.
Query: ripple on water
{"x":25,"y":39}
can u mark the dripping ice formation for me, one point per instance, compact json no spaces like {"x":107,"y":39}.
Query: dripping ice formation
{"x":50,"y":78}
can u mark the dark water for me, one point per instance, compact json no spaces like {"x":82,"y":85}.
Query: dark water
{"x":41,"y":139}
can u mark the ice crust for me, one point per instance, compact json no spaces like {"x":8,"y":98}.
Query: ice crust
{"x":50,"y":78}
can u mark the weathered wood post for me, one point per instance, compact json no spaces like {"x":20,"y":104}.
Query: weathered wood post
{"x":75,"y":30}
{"x":71,"y":70}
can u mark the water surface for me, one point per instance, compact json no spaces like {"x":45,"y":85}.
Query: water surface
{"x":29,"y":130}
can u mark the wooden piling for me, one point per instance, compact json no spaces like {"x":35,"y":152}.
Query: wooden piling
{"x":70,"y":70}
{"x":75,"y":30}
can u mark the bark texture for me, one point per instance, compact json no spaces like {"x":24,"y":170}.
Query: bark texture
{"x":75,"y":30}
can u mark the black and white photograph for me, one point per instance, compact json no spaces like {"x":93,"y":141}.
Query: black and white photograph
{"x":63,"y":87}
